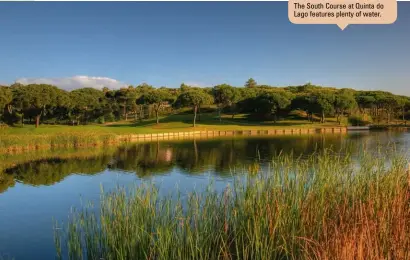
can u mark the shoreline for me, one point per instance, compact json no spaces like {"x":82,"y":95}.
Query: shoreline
{"x":108,"y":140}
{"x":103,"y":139}
{"x":245,"y":132}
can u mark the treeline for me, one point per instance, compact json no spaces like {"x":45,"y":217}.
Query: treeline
{"x":35,"y":103}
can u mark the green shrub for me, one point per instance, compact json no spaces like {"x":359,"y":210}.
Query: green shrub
{"x":12,"y":119}
{"x":109,"y":117}
{"x":101,"y":120}
{"x":407,"y":115}
{"x":359,"y":120}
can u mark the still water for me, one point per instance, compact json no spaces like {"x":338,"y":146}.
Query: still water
{"x":37,"y":187}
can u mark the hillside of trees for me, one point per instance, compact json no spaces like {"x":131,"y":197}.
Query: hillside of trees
{"x":39,"y":103}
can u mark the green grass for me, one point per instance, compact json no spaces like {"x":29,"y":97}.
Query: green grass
{"x":169,"y":124}
{"x":323,"y":207}
{"x":63,"y":135}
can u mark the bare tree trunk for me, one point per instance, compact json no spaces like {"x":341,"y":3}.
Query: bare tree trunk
{"x":156,"y":116}
{"x":195,"y":110}
{"x":38,"y":120}
{"x":323,"y":116}
{"x":338,"y":118}
{"x":233,"y":109}
{"x":86,"y":117}
{"x":403,"y":114}
{"x":141,"y":112}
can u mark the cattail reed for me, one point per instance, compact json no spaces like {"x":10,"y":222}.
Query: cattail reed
{"x":326,"y":206}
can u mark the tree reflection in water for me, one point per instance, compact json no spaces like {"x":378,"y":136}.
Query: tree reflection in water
{"x":193,"y":157}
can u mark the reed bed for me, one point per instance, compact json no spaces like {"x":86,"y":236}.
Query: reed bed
{"x":326,"y":206}
{"x":22,"y":142}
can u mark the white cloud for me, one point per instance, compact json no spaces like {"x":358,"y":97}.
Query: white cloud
{"x":197,"y":84}
{"x":76,"y":82}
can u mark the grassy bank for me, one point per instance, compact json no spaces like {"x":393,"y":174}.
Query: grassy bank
{"x":323,"y":207}
{"x":63,"y":138}
{"x":29,"y":137}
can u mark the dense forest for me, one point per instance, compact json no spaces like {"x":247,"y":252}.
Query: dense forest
{"x":40,"y":103}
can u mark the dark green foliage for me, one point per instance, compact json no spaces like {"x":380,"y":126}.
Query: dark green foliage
{"x":407,"y":115}
{"x":251,"y":83}
{"x":21,"y":104}
{"x":344,"y":102}
{"x":6,"y":96}
{"x":365,"y":101}
{"x":224,"y":96}
{"x":303,"y":102}
{"x":39,"y":100}
{"x":270,"y":103}
{"x":323,"y":103}
{"x":109,"y":117}
{"x":86,"y":104}
{"x":158,"y":98}
{"x":195,"y":98}
{"x":359,"y":120}
{"x":126,"y":100}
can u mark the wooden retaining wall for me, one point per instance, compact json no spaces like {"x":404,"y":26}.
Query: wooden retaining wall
{"x":208,"y":134}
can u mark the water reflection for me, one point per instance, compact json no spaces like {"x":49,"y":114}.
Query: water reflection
{"x":51,"y":171}
{"x":218,"y":155}
{"x":38,"y":186}
{"x":191,"y":157}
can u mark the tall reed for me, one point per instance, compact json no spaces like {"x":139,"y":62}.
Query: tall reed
{"x":15,"y":142}
{"x":324,"y":207}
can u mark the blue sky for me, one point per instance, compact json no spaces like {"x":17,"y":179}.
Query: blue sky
{"x":76,"y":44}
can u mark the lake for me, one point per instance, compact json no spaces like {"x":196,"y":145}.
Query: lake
{"x":39,"y":186}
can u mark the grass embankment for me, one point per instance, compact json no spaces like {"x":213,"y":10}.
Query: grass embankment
{"x":29,"y":137}
{"x":324,"y":207}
